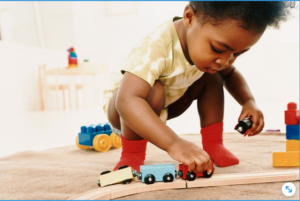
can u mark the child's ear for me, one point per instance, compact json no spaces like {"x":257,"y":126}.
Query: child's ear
{"x":189,"y":16}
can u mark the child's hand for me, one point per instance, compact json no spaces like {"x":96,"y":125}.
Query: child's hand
{"x":191,"y":155}
{"x":251,"y":109}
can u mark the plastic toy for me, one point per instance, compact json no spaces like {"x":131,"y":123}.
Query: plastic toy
{"x":292,"y":132}
{"x":286,"y":159}
{"x":152,"y":173}
{"x":244,"y":125}
{"x":100,"y":137}
{"x":292,"y":145}
{"x":123,"y":175}
{"x":72,"y":58}
{"x":291,"y":114}
{"x":290,"y":158}
{"x":184,"y":173}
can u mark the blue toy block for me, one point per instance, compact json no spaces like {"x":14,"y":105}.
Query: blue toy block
{"x":157,"y":173}
{"x":292,"y":132}
{"x":87,"y":134}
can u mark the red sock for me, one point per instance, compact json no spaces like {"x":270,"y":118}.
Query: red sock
{"x":212,"y":141}
{"x":133,"y":153}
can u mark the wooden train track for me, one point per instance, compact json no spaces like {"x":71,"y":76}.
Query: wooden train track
{"x":120,"y":190}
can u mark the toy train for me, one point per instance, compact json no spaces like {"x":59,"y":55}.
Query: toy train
{"x":100,"y":137}
{"x":191,"y":176}
{"x":150,"y":174}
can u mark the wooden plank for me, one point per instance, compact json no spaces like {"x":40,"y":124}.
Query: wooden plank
{"x":120,"y":190}
{"x":245,"y":178}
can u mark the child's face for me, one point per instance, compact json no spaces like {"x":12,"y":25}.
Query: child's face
{"x":215,"y":47}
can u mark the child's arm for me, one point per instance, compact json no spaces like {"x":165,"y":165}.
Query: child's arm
{"x":135,"y":111}
{"x":238,"y":88}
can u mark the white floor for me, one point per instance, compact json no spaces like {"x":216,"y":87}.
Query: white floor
{"x":38,"y":130}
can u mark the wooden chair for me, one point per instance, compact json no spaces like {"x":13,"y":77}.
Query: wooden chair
{"x":45,"y":88}
{"x":87,"y":87}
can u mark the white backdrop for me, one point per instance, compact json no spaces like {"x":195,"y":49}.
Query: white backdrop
{"x":41,"y":32}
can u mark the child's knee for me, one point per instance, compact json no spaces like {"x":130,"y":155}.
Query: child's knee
{"x":156,"y":98}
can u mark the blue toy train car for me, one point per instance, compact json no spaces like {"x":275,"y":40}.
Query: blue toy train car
{"x":153,"y":173}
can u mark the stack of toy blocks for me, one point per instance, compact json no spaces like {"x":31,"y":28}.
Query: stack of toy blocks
{"x":72,"y":58}
{"x":290,"y":158}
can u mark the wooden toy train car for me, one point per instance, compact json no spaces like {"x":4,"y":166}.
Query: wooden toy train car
{"x":153,"y":173}
{"x":123,"y":175}
{"x":184,"y":173}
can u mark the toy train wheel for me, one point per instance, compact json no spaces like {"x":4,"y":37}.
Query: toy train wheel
{"x":191,"y":176}
{"x":207,"y":175}
{"x":115,"y":140}
{"x":168,"y":177}
{"x":81,"y":146}
{"x":127,"y":181}
{"x":105,"y":172}
{"x":102,"y":142}
{"x":122,"y":167}
{"x":149,"y":179}
{"x":180,"y":173}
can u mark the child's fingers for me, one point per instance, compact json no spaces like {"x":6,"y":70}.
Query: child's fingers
{"x":242,"y":116}
{"x":258,"y":128}
{"x":191,"y":166}
{"x":203,"y":164}
{"x":209,"y":169}
{"x":247,"y":132}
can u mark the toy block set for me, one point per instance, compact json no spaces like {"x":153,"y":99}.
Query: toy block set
{"x":289,"y":158}
{"x":72,"y":58}
{"x":100,"y":137}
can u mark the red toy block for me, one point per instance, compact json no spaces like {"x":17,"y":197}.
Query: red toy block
{"x":291,"y":115}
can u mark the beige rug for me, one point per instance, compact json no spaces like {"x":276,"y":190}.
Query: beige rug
{"x":65,"y":172}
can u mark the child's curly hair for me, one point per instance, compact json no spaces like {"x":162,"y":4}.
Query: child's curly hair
{"x":256,"y":15}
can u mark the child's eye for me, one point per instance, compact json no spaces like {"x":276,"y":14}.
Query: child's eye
{"x":216,"y":50}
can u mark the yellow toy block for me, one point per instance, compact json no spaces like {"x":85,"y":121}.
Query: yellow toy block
{"x":286,"y":159}
{"x":292,"y":145}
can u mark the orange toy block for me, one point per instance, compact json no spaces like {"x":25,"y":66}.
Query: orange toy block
{"x":292,"y":145}
{"x":286,"y":159}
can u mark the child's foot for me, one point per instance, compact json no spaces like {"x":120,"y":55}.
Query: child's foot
{"x":212,"y":141}
{"x":220,"y":155}
{"x":133,"y":153}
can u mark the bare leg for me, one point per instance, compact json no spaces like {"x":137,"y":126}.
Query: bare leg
{"x":156,"y":100}
{"x":133,"y":146}
{"x":208,"y":91}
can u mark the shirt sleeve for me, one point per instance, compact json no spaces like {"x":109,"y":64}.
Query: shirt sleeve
{"x":147,"y":60}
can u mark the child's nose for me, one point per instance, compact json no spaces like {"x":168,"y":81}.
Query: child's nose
{"x":225,"y":61}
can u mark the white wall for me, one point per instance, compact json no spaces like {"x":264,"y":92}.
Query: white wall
{"x":19,"y":83}
{"x":271,"y":67}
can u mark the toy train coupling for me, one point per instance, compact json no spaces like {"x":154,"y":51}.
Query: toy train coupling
{"x":134,"y":173}
{"x":244,"y":125}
